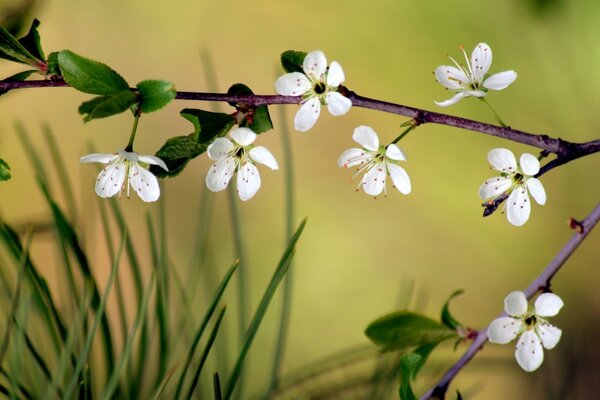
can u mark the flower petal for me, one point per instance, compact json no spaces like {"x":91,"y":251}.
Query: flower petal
{"x":453,"y":100}
{"x":219,"y":149}
{"x":400,"y":178}
{"x":335,"y":75}
{"x":548,"y":305}
{"x":315,"y":65}
{"x":248,"y":181}
{"x":366,"y":137}
{"x":530,"y":165}
{"x":243,"y":136}
{"x":500,"y":80}
{"x":503,"y":160}
{"x":536,"y":190}
{"x":110,"y":180}
{"x":144,"y":183}
{"x":373,"y":182}
{"x":307,"y":115}
{"x":451,"y":77}
{"x":337,"y":103}
{"x":529,"y":352}
{"x":393,"y":152}
{"x":518,"y":206}
{"x":101,"y":158}
{"x":515,"y":304}
{"x":352,"y":157}
{"x":549,"y":334}
{"x":153,"y":160}
{"x":220,"y":173}
{"x":481,"y":59}
{"x":293,"y":84}
{"x":263,"y":156}
{"x":493,"y":187}
{"x":504,"y":330}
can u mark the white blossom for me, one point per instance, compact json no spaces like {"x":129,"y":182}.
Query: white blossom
{"x":516,"y":181}
{"x":529,"y":325}
{"x":318,"y":85}
{"x":126,"y":169}
{"x":238,"y":157}
{"x":472,"y":80}
{"x":376,"y":162}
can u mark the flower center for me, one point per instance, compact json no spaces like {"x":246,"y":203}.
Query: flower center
{"x":518,"y":178}
{"x":530,"y":321}
{"x":320,"y":88}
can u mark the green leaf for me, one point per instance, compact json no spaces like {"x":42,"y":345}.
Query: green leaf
{"x":53,"y":69}
{"x":176,"y":153}
{"x":404,"y":329}
{"x":20,"y":76}
{"x":105,"y":106}
{"x":255,"y":118}
{"x":447,"y":318}
{"x":208,"y":125}
{"x":11,"y":49}
{"x":408,"y":363}
{"x":89,"y":76}
{"x":4,"y":170}
{"x":31,"y":41}
{"x":292,"y":60}
{"x":155,"y":94}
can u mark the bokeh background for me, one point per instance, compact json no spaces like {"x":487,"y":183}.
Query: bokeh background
{"x":358,"y":258}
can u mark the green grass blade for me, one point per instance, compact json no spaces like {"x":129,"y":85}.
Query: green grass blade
{"x":33,"y":155}
{"x":217,"y":386}
{"x":207,"y":348}
{"x":209,"y":312}
{"x":278,"y":275}
{"x":163,"y":384}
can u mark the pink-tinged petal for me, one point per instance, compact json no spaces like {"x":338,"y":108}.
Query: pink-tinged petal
{"x":481,"y":59}
{"x":248,"y":181}
{"x":337,"y":104}
{"x":529,"y":352}
{"x":293,"y":84}
{"x":515,"y":304}
{"x":536,"y":190}
{"x":400,"y":178}
{"x":393,"y":152}
{"x":455,"y":99}
{"x":219,"y":149}
{"x":263,"y":156}
{"x":352,"y":157}
{"x":503,"y":160}
{"x":493,"y":187}
{"x":100,"y":158}
{"x":220,"y":174}
{"x":144,"y":183}
{"x":500,"y":81}
{"x":373,"y":182}
{"x":243,"y":136}
{"x":366,"y":137}
{"x":335,"y":75}
{"x":110,"y":180}
{"x":315,"y":65}
{"x":153,"y":160}
{"x":504,"y":330}
{"x":549,"y":334}
{"x":518,"y":206}
{"x":307,"y":115}
{"x":529,"y":164}
{"x":451,"y":77}
{"x":548,"y":305}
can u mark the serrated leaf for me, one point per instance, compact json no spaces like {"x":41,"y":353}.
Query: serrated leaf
{"x":105,"y":106}
{"x":256,"y":118}
{"x":208,"y":125}
{"x":446,"y":317}
{"x":4,"y":170}
{"x":155,"y":94}
{"x":292,"y":60}
{"x":11,"y":49}
{"x":53,"y":69}
{"x":176,"y":153}
{"x":89,"y":76}
{"x":32,"y":42}
{"x":404,"y":329}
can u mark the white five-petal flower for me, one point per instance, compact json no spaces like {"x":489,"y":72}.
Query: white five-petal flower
{"x":529,"y":325}
{"x":515,"y":180}
{"x":238,"y":157}
{"x":376,"y":161}
{"x":126,"y":169}
{"x":318,"y":86}
{"x":472,"y":80}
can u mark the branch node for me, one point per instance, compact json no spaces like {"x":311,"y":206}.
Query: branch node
{"x":576,"y":225}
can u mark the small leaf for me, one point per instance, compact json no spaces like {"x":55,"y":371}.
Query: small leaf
{"x":404,"y":329}
{"x":31,"y":41}
{"x":291,"y":61}
{"x":11,"y":49}
{"x":155,"y":94}
{"x":89,"y":76}
{"x":447,"y":318}
{"x":176,"y":153}
{"x":208,"y":125}
{"x":20,"y":76}
{"x":105,"y":106}
{"x":408,"y":363}
{"x":53,"y":69}
{"x":255,"y":118}
{"x":4,"y":170}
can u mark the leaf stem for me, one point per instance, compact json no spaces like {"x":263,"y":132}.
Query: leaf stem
{"x":413,"y":125}
{"x":489,"y":107}
{"x":136,"y":119}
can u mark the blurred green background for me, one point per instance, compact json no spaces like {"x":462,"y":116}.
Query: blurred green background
{"x":358,"y":258}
